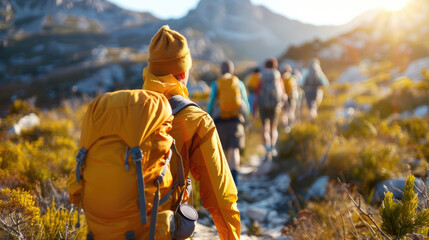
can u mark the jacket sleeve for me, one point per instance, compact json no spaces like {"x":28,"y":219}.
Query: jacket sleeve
{"x":212,"y":98}
{"x":303,"y":77}
{"x":324,"y":79}
{"x":218,"y":192}
{"x":243,"y":93}
{"x":74,"y":188}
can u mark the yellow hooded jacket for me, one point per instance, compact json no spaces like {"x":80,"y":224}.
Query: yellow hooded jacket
{"x":198,"y":142}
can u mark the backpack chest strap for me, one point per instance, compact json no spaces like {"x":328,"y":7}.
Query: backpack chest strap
{"x":80,"y":163}
{"x":136,"y":155}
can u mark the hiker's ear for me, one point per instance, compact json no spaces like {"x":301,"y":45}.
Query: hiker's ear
{"x":182,"y":75}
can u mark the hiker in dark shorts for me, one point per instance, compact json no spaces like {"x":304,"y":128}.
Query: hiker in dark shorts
{"x":270,"y":96}
{"x":228,"y":106}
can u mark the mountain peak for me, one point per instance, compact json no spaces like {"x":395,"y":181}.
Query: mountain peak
{"x":217,"y":9}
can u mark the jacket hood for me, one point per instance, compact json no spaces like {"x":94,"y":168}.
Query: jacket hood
{"x":168,"y":85}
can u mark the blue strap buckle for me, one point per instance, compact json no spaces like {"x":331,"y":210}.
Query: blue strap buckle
{"x":136,"y":154}
{"x":80,"y":162}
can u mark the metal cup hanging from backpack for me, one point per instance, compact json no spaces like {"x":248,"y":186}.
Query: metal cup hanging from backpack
{"x":185,"y":216}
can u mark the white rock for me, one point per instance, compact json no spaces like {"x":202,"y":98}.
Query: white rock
{"x":26,"y":122}
{"x":414,"y":70}
{"x":421,"y":111}
{"x":352,"y":74}
{"x":282,"y":182}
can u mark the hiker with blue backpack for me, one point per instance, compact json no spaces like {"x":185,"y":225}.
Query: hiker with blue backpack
{"x":137,"y":148}
{"x":313,"y":79}
{"x":270,"y":97}
{"x":228,"y":105}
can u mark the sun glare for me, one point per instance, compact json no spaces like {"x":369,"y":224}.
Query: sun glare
{"x":394,"y":5}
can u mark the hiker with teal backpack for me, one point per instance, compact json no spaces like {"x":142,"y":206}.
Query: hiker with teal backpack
{"x":228,"y":105}
{"x":270,"y":97}
{"x":313,"y":79}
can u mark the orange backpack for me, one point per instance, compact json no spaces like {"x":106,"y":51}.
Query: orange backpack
{"x":228,"y":96}
{"x":253,"y":81}
{"x":122,"y":176}
{"x":290,"y":84}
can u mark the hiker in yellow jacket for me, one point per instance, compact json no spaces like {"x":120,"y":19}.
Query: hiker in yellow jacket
{"x":228,"y":105}
{"x":252,"y":83}
{"x":292,"y":91}
{"x":194,"y":131}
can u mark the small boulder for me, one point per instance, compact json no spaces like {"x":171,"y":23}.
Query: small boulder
{"x":26,"y":122}
{"x":257,"y":214}
{"x":396,"y":186}
{"x":318,"y":188}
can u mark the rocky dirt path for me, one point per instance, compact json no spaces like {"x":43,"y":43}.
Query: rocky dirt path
{"x":261,"y":203}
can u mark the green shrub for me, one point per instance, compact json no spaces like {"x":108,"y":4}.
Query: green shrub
{"x":362,"y":164}
{"x":401,"y":218}
{"x":18,"y":214}
{"x":20,"y":107}
{"x":302,"y":142}
{"x":360,"y":128}
{"x":416,"y":127}
{"x":404,"y":97}
{"x":59,"y":223}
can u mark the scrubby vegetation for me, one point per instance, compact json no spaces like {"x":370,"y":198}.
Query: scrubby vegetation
{"x":365,"y":133}
{"x":34,"y":166}
{"x":362,"y":135}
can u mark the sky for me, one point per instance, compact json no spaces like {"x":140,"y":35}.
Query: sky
{"x":318,"y":12}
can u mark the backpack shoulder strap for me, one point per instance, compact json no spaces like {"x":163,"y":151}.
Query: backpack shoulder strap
{"x":178,"y":103}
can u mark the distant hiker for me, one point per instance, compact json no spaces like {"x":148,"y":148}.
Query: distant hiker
{"x":299,"y":101}
{"x":270,"y":97}
{"x":292,"y":91}
{"x":313,"y":79}
{"x":252,"y":83}
{"x":229,"y":106}
{"x":194,"y":131}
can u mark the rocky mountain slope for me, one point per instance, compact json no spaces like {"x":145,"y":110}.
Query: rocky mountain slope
{"x":242,"y":26}
{"x":48,"y":48}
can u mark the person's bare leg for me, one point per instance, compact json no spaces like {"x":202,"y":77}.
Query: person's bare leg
{"x":266,"y":135}
{"x":228,"y":155}
{"x":285,"y":117}
{"x":292,"y":111}
{"x":274,"y":137}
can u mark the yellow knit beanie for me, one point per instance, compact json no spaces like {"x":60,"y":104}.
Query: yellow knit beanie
{"x":168,"y":53}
